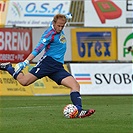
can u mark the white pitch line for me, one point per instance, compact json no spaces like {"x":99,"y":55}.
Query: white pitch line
{"x":30,"y":107}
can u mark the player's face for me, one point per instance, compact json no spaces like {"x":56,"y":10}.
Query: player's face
{"x":59,"y":25}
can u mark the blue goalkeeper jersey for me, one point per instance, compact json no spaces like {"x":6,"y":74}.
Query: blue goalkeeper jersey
{"x":53,"y":44}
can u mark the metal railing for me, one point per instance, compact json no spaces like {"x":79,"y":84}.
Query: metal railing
{"x":77,"y":10}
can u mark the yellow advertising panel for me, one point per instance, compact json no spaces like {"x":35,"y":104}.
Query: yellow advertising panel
{"x":46,"y":86}
{"x":93,"y":44}
{"x":3,"y":11}
{"x":10,"y":87}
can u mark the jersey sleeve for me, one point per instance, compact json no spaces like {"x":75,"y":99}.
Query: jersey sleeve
{"x":42,"y":44}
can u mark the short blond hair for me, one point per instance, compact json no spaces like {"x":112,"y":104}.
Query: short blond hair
{"x":59,"y":16}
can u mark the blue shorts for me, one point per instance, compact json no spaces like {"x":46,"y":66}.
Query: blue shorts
{"x":47,"y":66}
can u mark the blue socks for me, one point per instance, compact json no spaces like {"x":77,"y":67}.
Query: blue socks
{"x":11,"y":71}
{"x":76,"y":99}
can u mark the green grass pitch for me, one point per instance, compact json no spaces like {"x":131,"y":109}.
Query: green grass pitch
{"x":43,"y":114}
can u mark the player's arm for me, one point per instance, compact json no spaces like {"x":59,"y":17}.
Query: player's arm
{"x":29,"y":58}
{"x":21,"y":65}
{"x":39,"y":47}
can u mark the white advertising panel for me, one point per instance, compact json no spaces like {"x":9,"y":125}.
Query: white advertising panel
{"x":35,"y":13}
{"x":108,"y":13}
{"x":103,"y":79}
{"x":125,"y":39}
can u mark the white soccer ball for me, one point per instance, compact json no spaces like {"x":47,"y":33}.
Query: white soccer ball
{"x":70,"y":111}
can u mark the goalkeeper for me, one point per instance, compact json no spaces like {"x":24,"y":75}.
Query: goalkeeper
{"x":53,"y":42}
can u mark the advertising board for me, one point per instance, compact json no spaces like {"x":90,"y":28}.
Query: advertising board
{"x":45,"y":86}
{"x":108,"y":13}
{"x":34,"y":13}
{"x":104,"y":78}
{"x":15,"y":44}
{"x":125,"y":39}
{"x":93,"y":44}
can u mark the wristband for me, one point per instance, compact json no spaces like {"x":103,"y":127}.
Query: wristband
{"x":27,"y":62}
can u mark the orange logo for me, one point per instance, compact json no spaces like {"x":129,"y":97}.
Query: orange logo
{"x":2,"y":6}
{"x":3,"y":11}
{"x":106,"y":9}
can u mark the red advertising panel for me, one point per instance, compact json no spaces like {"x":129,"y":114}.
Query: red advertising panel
{"x":15,"y":44}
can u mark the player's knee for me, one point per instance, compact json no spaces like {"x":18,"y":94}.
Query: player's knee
{"x":76,"y":87}
{"x":23,"y":83}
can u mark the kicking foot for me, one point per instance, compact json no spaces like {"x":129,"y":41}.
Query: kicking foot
{"x":85,"y":113}
{"x":4,"y":66}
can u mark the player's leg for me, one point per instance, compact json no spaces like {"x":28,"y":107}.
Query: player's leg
{"x":71,"y":83}
{"x":23,"y":79}
{"x":4,"y":66}
{"x":61,"y":76}
{"x":7,"y":66}
{"x":76,"y":97}
{"x":26,"y":79}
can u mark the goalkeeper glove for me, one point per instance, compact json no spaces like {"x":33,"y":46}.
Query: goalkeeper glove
{"x":129,"y":48}
{"x":21,"y":65}
{"x":68,"y":16}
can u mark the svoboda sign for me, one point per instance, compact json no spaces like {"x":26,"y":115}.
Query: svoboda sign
{"x":104,"y":78}
{"x":116,"y":78}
